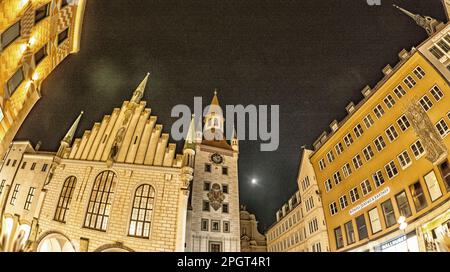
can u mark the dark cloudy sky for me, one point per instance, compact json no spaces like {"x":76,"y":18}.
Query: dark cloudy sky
{"x":310,"y":57}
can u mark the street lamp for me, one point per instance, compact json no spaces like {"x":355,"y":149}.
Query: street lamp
{"x":402,"y":227}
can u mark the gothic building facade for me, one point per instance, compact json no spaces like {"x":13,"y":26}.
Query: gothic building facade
{"x":121,"y":187}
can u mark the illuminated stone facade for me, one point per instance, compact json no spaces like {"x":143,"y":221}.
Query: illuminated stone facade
{"x":35,"y":36}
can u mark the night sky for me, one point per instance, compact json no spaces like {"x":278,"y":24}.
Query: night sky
{"x":310,"y":57}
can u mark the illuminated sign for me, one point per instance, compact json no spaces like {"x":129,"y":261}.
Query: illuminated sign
{"x":369,"y":201}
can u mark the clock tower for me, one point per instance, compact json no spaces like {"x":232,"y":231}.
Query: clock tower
{"x":213,"y":215}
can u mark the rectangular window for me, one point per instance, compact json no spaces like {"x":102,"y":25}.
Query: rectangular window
{"x":63,"y":36}
{"x":436,"y":93}
{"x":322,"y":164}
{"x":417,"y":149}
{"x":10,"y":35}
{"x":348,"y":140}
{"x":205,"y":206}
{"x":64,"y":3}
{"x":29,"y":199}
{"x":33,"y":166}
{"x":374,"y":220}
{"x":368,"y":153}
{"x":333,"y":208}
{"x":339,"y":148}
{"x":368,"y":121}
{"x":404,"y":159}
{"x":337,"y":178}
{"x":226,"y":226}
{"x":225,"y":208}
{"x":391,"y":133}
{"x":389,"y":101}
{"x":362,"y":227}
{"x":357,"y":161}
{"x":419,"y":72}
{"x":445,"y":174}
{"x":403,"y":204}
{"x":24,"y":164}
{"x":347,"y":170}
{"x":433,"y":186}
{"x":403,"y":123}
{"x":354,"y":195}
{"x":205,"y":224}
{"x":44,"y":167}
{"x":15,"y":81}
{"x":40,"y":55}
{"x":389,"y":215}
{"x":426,"y":103}
{"x":443,"y":45}
{"x":14,"y":163}
{"x":410,"y":82}
{"x":339,"y":238}
{"x":41,"y":13}
{"x":330,"y":156}
{"x":366,"y":188}
{"x":418,"y":196}
{"x":399,"y":91}
{"x":215,"y":225}
{"x":208,"y":168}
{"x":14,"y":195}
{"x":206,"y":186}
{"x":350,"y":232}
{"x":437,"y":52}
{"x":391,"y":170}
{"x":225,"y":171}
{"x":328,"y":185}
{"x":379,"y":111}
{"x":225,"y":188}
{"x":2,"y":186}
{"x":442,"y":127}
{"x":343,"y":202}
{"x":380,"y":144}
{"x":378,"y":178}
{"x":358,"y":130}
{"x":8,"y":162}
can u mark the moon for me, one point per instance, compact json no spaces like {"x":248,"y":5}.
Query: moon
{"x":254,"y":181}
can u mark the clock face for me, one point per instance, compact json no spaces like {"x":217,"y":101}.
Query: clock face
{"x":217,"y":159}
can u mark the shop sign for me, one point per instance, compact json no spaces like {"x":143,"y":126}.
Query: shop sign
{"x":369,"y":201}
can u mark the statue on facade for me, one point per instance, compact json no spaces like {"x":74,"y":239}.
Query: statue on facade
{"x":427,"y":132}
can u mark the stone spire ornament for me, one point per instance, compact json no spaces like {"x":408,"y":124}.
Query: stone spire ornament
{"x":139,"y":92}
{"x":430,"y":24}
{"x":71,"y":133}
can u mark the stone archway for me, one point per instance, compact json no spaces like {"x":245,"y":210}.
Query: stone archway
{"x":117,"y":247}
{"x":55,"y":242}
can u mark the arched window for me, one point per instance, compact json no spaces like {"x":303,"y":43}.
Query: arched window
{"x":99,"y":207}
{"x":64,"y":199}
{"x":216,"y":122}
{"x":141,"y":213}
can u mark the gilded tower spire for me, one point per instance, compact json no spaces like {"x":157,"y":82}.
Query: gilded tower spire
{"x":428,"y":23}
{"x":71,"y":133}
{"x":191,"y":136}
{"x":139,"y":92}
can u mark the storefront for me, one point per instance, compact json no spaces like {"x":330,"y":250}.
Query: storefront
{"x":435,"y":233}
{"x":403,"y":243}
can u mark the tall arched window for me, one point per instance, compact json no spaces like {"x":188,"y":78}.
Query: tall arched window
{"x":99,"y":207}
{"x":141,"y":213}
{"x":64,"y":199}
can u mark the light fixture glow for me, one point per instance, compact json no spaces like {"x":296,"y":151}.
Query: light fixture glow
{"x":403,"y":226}
{"x":35,"y":76}
{"x":401,"y":219}
{"x":254,"y":181}
{"x":23,"y":48}
{"x":32,"y":41}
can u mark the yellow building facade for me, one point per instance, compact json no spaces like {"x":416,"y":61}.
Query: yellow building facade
{"x":383,"y":172}
{"x":35,"y":36}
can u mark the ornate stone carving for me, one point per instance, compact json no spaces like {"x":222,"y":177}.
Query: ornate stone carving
{"x":216,"y":196}
{"x":427,"y":132}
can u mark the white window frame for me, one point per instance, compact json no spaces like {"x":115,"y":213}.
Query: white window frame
{"x":383,"y":146}
{"x":339,"y":148}
{"x":376,"y":178}
{"x":333,"y":208}
{"x":442,"y":128}
{"x":403,"y":159}
{"x":343,"y":202}
{"x":366,"y":187}
{"x":415,"y":145}
{"x":328,"y":185}
{"x":399,"y":90}
{"x":348,"y":139}
{"x":368,"y":121}
{"x":357,"y":161}
{"x":379,"y":111}
{"x":366,"y":152}
{"x":436,"y":91}
{"x":354,"y":195}
{"x":389,"y":101}
{"x":403,"y":123}
{"x":426,"y":103}
{"x":391,"y":167}
{"x":392,"y":133}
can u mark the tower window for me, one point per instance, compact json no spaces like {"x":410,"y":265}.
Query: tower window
{"x":10,"y":35}
{"x":41,"y":13}
{"x":207,"y":186}
{"x":225,"y":208}
{"x":205,"y":224}
{"x":15,"y":81}
{"x":205,"y":207}
{"x":225,"y":171}
{"x":226,"y":226}
{"x":208,"y":168}
{"x":63,"y":36}
{"x":225,"y":189}
{"x":215,"y":225}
